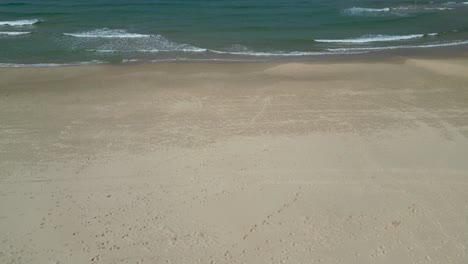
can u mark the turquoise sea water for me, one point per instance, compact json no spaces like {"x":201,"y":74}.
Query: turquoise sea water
{"x":122,"y":31}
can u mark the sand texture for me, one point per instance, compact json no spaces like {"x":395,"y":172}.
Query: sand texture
{"x":235,"y":163}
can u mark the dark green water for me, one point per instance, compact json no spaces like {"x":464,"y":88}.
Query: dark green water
{"x":66,"y":31}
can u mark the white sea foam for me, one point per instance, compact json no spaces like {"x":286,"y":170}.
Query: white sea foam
{"x":203,"y":60}
{"x":19,"y":23}
{"x":358,"y":11}
{"x":192,"y":49}
{"x":130,"y":60}
{"x":153,"y":44}
{"x":439,"y":8}
{"x":24,"y":65}
{"x":434,"y":45}
{"x":246,"y":53}
{"x":107,"y":33}
{"x":397,"y":10}
{"x":455,"y":4}
{"x":11,"y":33}
{"x":280,"y":53}
{"x":242,"y":50}
{"x":375,"y":38}
{"x":165,"y":45}
{"x":242,"y":53}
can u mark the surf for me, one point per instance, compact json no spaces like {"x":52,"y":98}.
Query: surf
{"x":375,"y":38}
{"x":107,"y":33}
{"x":11,"y":33}
{"x":27,"y":22}
{"x":432,"y":45}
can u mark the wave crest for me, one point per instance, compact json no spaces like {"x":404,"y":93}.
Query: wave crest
{"x":107,"y":33}
{"x":434,"y":45}
{"x":120,"y":42}
{"x":398,"y":10}
{"x":19,"y":23}
{"x":11,"y":33}
{"x":375,"y":38}
{"x":34,"y":65}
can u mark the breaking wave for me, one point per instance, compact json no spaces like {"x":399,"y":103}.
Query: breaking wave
{"x":19,"y":23}
{"x":375,"y":38}
{"x":11,"y":33}
{"x":434,"y":45}
{"x":400,"y":10}
{"x":107,"y":33}
{"x":24,"y":65}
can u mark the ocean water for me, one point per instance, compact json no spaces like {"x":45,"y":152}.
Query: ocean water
{"x":54,"y":32}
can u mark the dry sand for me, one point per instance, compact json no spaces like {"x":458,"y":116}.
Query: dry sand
{"x":235,"y":163}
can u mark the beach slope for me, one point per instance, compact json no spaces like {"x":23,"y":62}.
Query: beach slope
{"x":235,"y":163}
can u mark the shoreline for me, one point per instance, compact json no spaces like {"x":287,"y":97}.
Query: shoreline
{"x":434,"y":53}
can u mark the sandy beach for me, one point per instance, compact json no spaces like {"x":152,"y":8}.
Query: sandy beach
{"x":358,"y":162}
